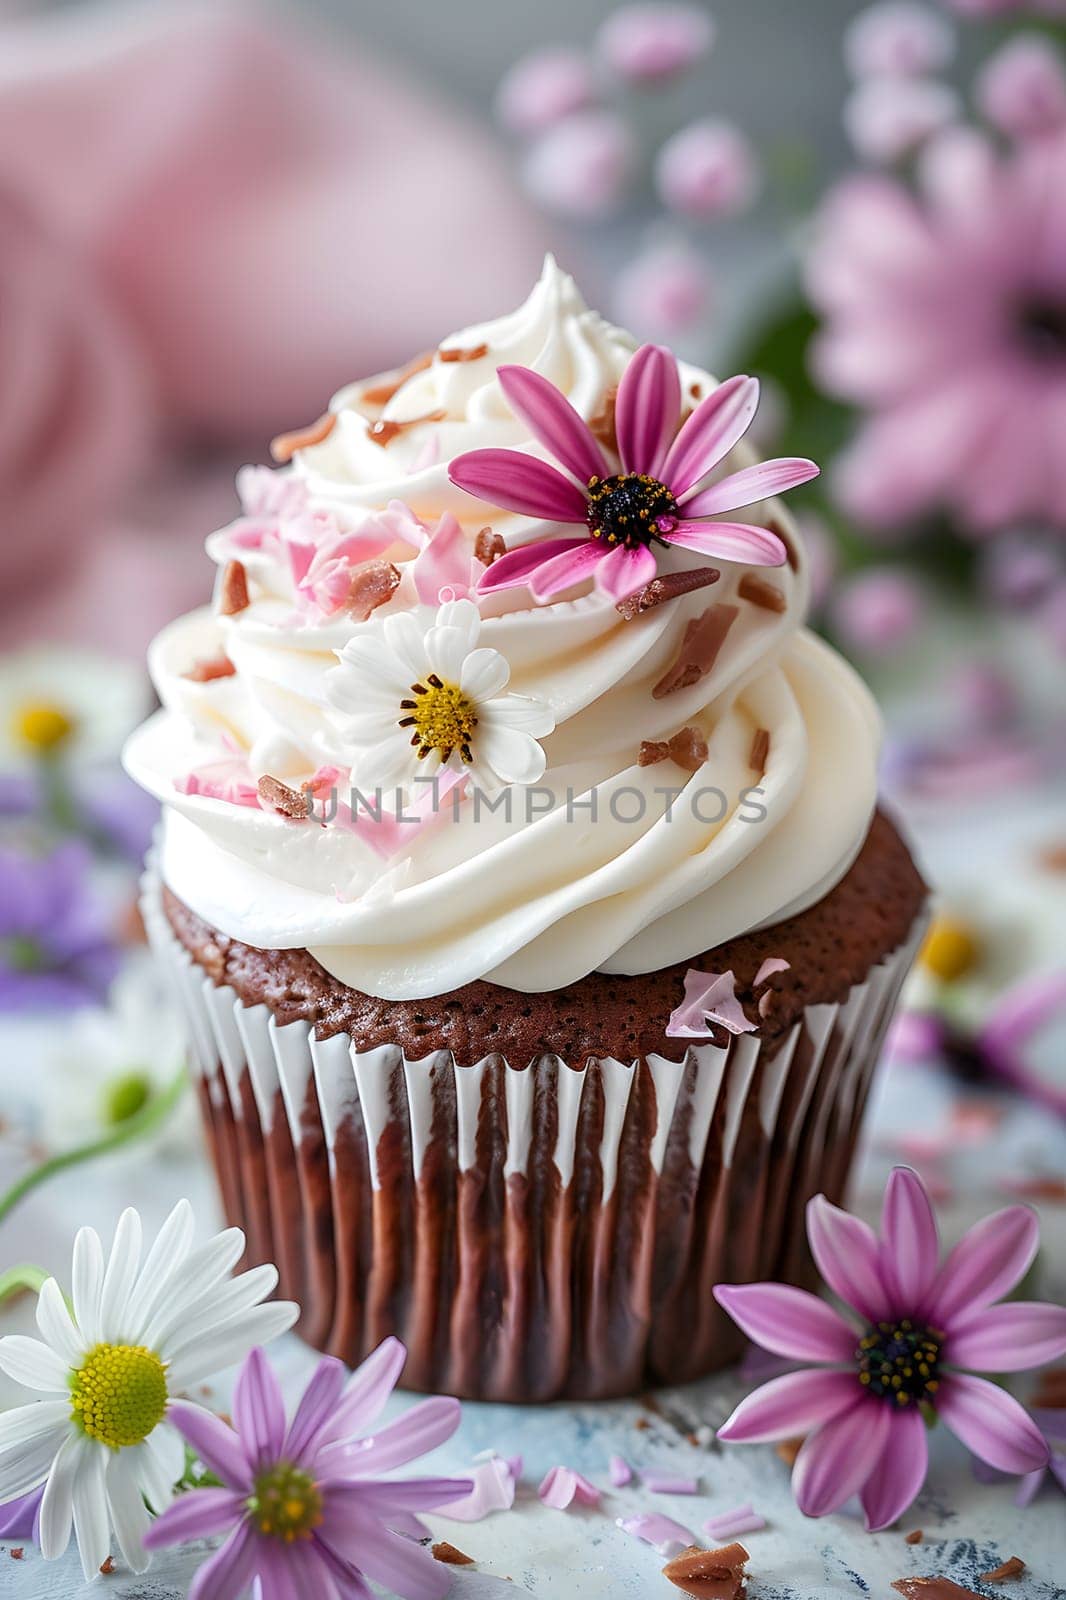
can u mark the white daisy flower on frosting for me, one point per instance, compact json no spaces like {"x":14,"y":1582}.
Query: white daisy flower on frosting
{"x":412,"y":701}
{"x":137,"y":1335}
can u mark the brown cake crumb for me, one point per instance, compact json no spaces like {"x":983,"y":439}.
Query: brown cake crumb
{"x":710,"y":1574}
{"x":1013,"y":1567}
{"x":443,"y":1551}
{"x":453,"y":353}
{"x":489,"y":547}
{"x":372,"y":585}
{"x":703,"y":639}
{"x":209,"y":670}
{"x":233,"y":590}
{"x":760,"y":593}
{"x":17,"y":1552}
{"x":279,"y":797}
{"x":914,"y":1537}
{"x":688,"y":748}
{"x":671,"y":586}
{"x":285,"y":446}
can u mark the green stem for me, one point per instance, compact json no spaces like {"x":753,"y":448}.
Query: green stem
{"x":139,"y":1126}
{"x":26,"y":1279}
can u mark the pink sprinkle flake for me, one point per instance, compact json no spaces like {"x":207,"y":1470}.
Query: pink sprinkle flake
{"x":742,"y":1519}
{"x":621,"y":1472}
{"x":562,"y":1486}
{"x":494,"y":1484}
{"x":666,"y":1535}
{"x":670,"y":1483}
{"x":771,"y":965}
{"x":710,"y":997}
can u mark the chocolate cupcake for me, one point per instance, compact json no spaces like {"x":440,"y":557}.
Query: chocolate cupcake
{"x":521,"y":871}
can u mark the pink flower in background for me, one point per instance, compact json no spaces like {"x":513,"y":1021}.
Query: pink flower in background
{"x":889,"y":118}
{"x":582,"y":165}
{"x":708,"y":169}
{"x":652,"y":43}
{"x":879,"y":610}
{"x":306,"y":1504}
{"x":665,"y":291}
{"x":544,"y":87}
{"x":656,"y":499}
{"x":898,"y":38}
{"x":914,"y":1324}
{"x":1022,"y":89}
{"x":945,"y":317}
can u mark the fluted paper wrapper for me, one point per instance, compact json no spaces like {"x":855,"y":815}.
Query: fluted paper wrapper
{"x":530,"y":1230}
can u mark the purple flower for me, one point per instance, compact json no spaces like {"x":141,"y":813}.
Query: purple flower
{"x":1052,"y":1424}
{"x":543,"y":87}
{"x":305,"y":1504}
{"x":56,"y":939}
{"x":581,"y":165}
{"x":665,"y":290}
{"x":707,"y":169}
{"x":20,"y":1519}
{"x":863,"y":1407}
{"x":888,"y":118}
{"x":1022,"y":89}
{"x":656,"y":498}
{"x":879,"y":610}
{"x":898,"y":38}
{"x":653,"y":43}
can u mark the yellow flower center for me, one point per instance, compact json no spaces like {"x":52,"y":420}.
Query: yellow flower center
{"x":442,"y":717}
{"x":119,"y":1394}
{"x":951,"y":950}
{"x":285,"y":1503}
{"x":42,"y":726}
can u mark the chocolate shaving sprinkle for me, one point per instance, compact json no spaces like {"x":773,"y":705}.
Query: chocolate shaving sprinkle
{"x":384,"y":432}
{"x":17,"y":1552}
{"x":933,"y":1589}
{"x":703,"y":639}
{"x":489,"y":547}
{"x":443,"y":1551}
{"x":289,"y":802}
{"x":760,"y":749}
{"x":695,"y":390}
{"x":233,"y":590}
{"x":371,"y":586}
{"x":1013,"y":1567}
{"x":475,"y":353}
{"x":790,"y":554}
{"x":688,"y":748}
{"x":209,"y":671}
{"x":603,"y":426}
{"x":914,"y":1537}
{"x":382,"y":393}
{"x":671,"y":586}
{"x":709,"y":1574}
{"x":107,"y":1567}
{"x":285,"y":445}
{"x":760,"y":593}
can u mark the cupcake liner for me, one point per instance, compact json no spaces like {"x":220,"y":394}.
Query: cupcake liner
{"x":530,"y":1230}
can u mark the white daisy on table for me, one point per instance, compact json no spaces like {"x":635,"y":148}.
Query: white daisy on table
{"x":413,"y":700}
{"x":138,"y":1334}
{"x":73,"y":702}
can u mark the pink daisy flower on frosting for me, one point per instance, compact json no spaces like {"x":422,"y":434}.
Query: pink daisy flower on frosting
{"x":919,"y":1324}
{"x":657,"y":498}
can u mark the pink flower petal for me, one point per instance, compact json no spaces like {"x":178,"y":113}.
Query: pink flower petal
{"x":664,"y":1533}
{"x":443,"y":562}
{"x":847,"y":1255}
{"x":564,"y":571}
{"x":518,"y":566}
{"x":317,"y":1408}
{"x":985,"y":1265}
{"x":647,"y":408}
{"x":215,"y":1443}
{"x":900,"y":1472}
{"x":751,"y":484}
{"x":259,"y":1410}
{"x":718,"y":423}
{"x":493,"y":1490}
{"x":794,"y":1404}
{"x":834,"y":1463}
{"x":991,"y":1423}
{"x":910,"y":1243}
{"x":518,"y":482}
{"x":728,"y":1524}
{"x":425,"y":1426}
{"x":368,"y":1389}
{"x":710,"y":997}
{"x":230,"y":1570}
{"x":621,"y":1472}
{"x":731,"y":541}
{"x":790,"y":1322}
{"x":670,"y":1483}
{"x":624,"y":572}
{"x":200,"y":1514}
{"x":561,"y":1486}
{"x":1009,"y":1338}
{"x":551,"y":418}
{"x":771,"y":965}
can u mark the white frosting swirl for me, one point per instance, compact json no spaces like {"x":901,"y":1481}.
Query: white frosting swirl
{"x":627,"y":877}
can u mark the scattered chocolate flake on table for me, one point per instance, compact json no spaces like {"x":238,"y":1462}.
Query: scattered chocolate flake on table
{"x":1013,"y":1567}
{"x":914,"y":1537}
{"x":671,"y":586}
{"x":710,"y":1574}
{"x":285,"y":445}
{"x":703,"y":639}
{"x":443,"y":1551}
{"x":108,"y":1567}
{"x":687,"y":747}
{"x":454,"y":353}
{"x":933,"y":1589}
{"x":372,"y":585}
{"x":382,"y":393}
{"x":603,"y":425}
{"x":760,"y":593}
{"x":383,"y":432}
{"x":489,"y":547}
{"x":233,"y":589}
{"x":279,"y":797}
{"x":210,"y":669}
{"x":17,"y":1552}
{"x":760,"y":750}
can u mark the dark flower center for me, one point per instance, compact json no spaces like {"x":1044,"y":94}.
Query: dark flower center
{"x":899,"y":1361}
{"x":1043,"y":327}
{"x":632,"y":509}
